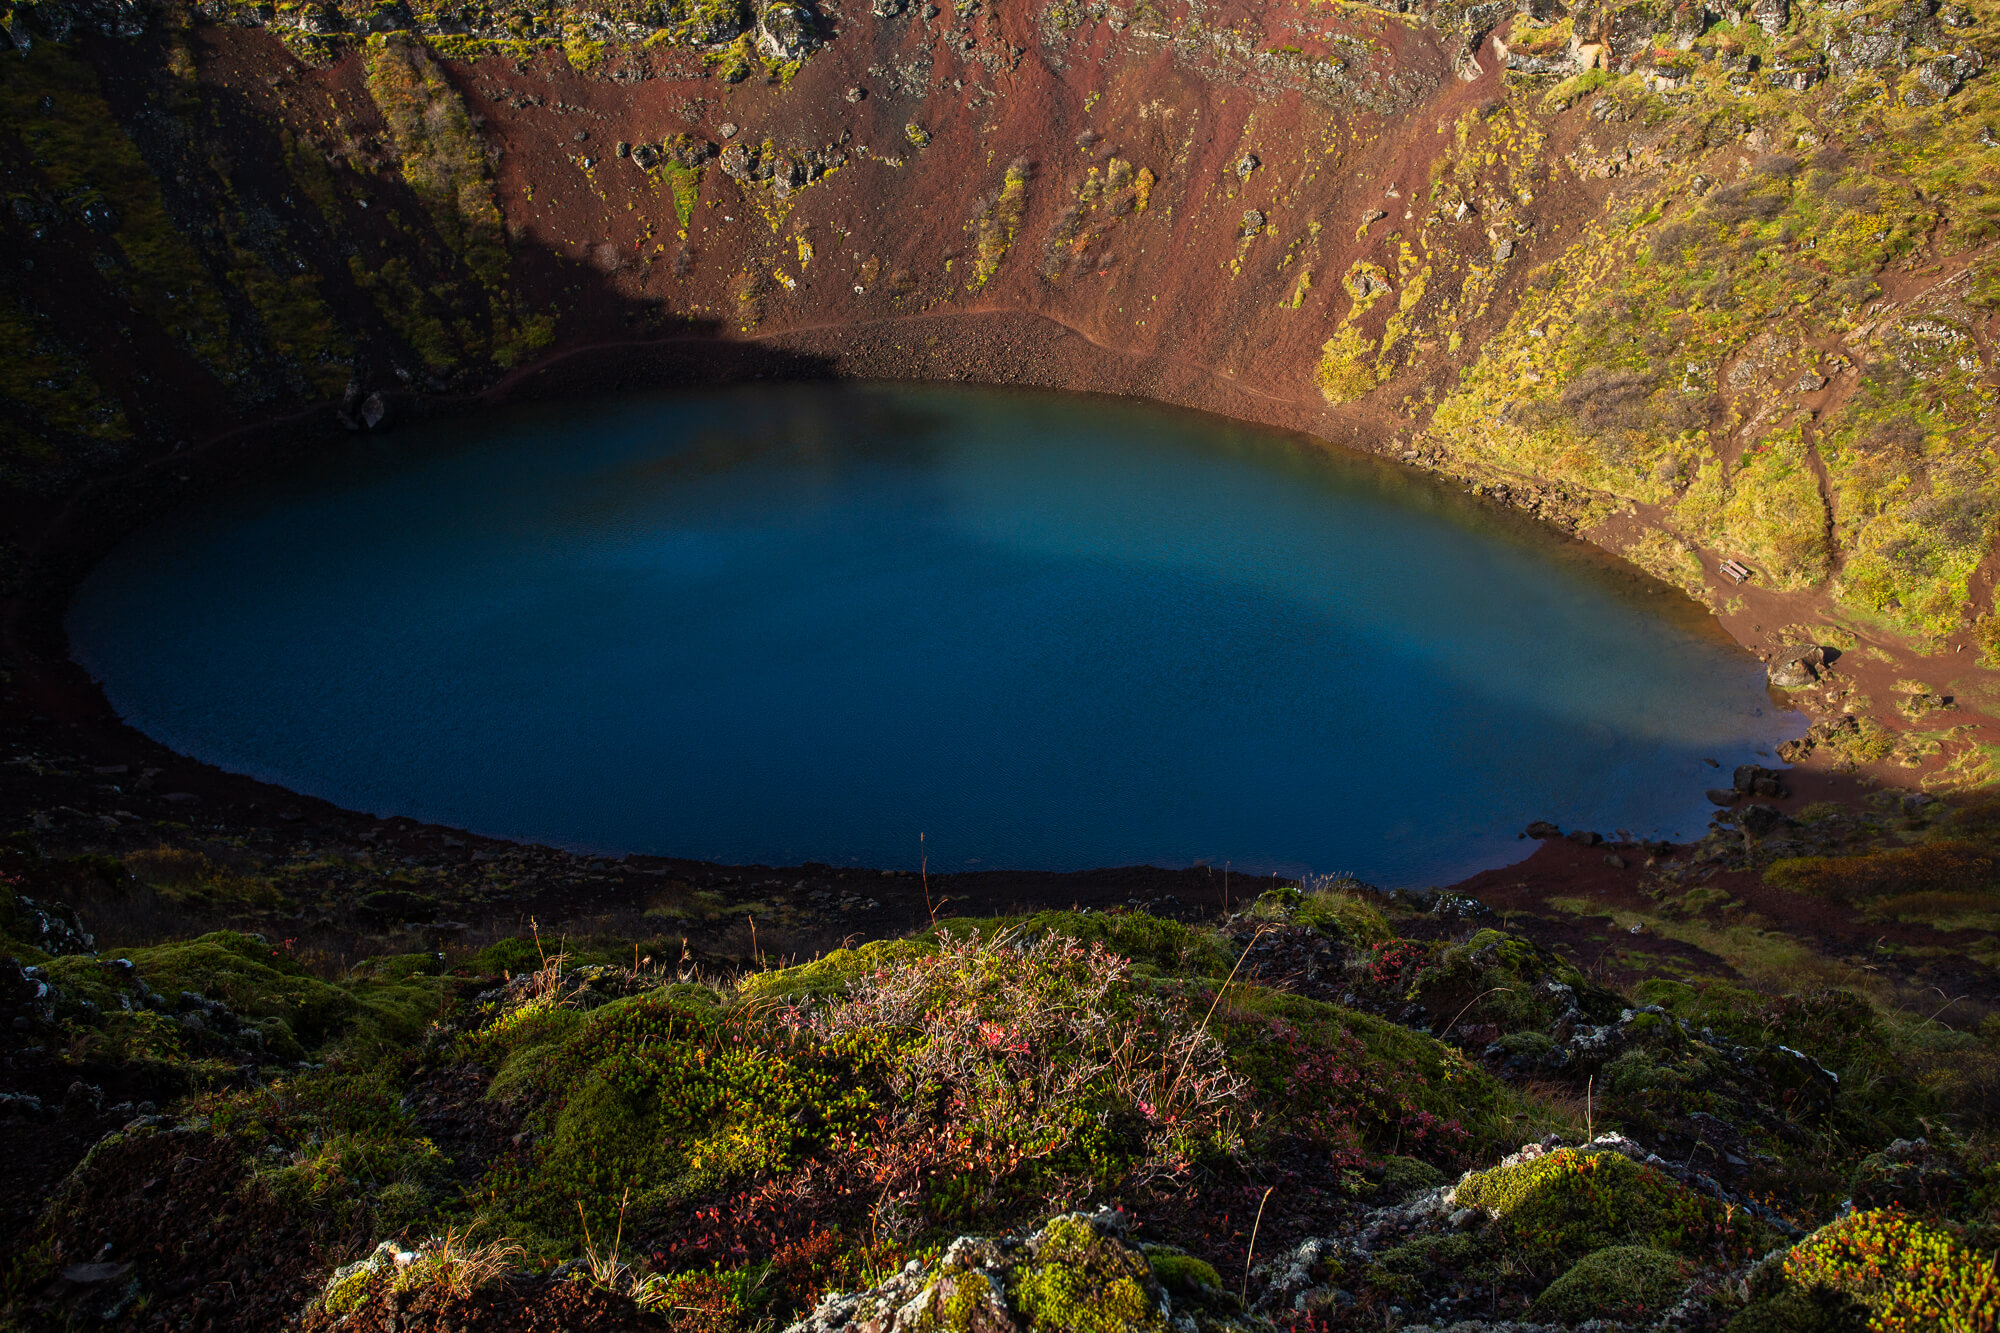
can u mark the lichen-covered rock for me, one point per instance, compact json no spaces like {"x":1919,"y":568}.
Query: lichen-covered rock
{"x":1078,"y":1274}
{"x":785,"y":31}
{"x":1772,"y":15}
{"x":1914,"y":1175}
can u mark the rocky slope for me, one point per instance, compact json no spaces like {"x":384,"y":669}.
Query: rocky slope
{"x":1697,"y":285}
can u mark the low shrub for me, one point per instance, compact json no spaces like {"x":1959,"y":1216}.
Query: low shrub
{"x":1908,"y":1274}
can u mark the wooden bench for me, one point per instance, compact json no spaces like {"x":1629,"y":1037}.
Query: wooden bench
{"x":1736,"y":569}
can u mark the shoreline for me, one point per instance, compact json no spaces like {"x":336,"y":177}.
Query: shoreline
{"x":54,"y":707}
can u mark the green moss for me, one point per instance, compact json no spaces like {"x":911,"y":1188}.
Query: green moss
{"x":517,"y":955}
{"x":1358,"y":1083}
{"x":1330,"y":907}
{"x":1164,"y":945}
{"x":1182,"y":1273}
{"x":1078,"y":1283}
{"x":1575,"y":87}
{"x":1801,"y":1310}
{"x":183,"y":876}
{"x":685,"y":183}
{"x":1425,"y":1256}
{"x":831,"y":973}
{"x":350,"y":1291}
{"x":1565,"y":1204}
{"x":734,"y":62}
{"x":1402,"y":1177}
{"x":652,"y":1095}
{"x":1622,"y":1282}
{"x":251,"y":977}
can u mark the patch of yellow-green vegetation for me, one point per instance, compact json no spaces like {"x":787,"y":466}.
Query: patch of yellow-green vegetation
{"x":1697,"y":307}
{"x":183,"y":875}
{"x":1572,"y":393}
{"x":1950,"y":883}
{"x":1300,"y":286}
{"x":656,"y":1096}
{"x":1357,"y":1083}
{"x":993,"y":1062}
{"x":1571,"y":90}
{"x":1911,"y":458}
{"x":1103,"y":199}
{"x":1669,"y":559}
{"x":1080,"y":1284}
{"x":442,"y":158}
{"x":448,"y":1259}
{"x":50,"y":98}
{"x":1565,"y":1204}
{"x":351,"y":1147}
{"x":293,"y":1013}
{"x":733,"y":63}
{"x":1987,"y":635}
{"x":1619,"y":1282}
{"x":832,"y":972}
{"x":295,"y":320}
{"x":1331,"y":906}
{"x":1869,"y":741}
{"x":251,"y":977}
{"x":1754,"y":949}
{"x":685,"y":185}
{"x":1346,"y":368}
{"x":437,"y":149}
{"x":50,"y":390}
{"x":582,"y":53}
{"x":1765,"y":508}
{"x":1181,"y":1272}
{"x":994,"y":225}
{"x":579,"y":33}
{"x":1910,"y":1276}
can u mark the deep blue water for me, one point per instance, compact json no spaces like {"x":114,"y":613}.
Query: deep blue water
{"x":809,"y":622}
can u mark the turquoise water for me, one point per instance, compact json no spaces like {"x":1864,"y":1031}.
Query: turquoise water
{"x":809,"y":622}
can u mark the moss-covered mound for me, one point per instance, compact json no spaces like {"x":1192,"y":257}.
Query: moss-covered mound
{"x":1618,"y":1282}
{"x":1557,"y":1207}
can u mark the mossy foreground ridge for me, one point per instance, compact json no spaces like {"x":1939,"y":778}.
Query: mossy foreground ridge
{"x":1332,"y":1110}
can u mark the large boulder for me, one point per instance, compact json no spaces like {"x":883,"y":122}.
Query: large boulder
{"x":1796,"y":667}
